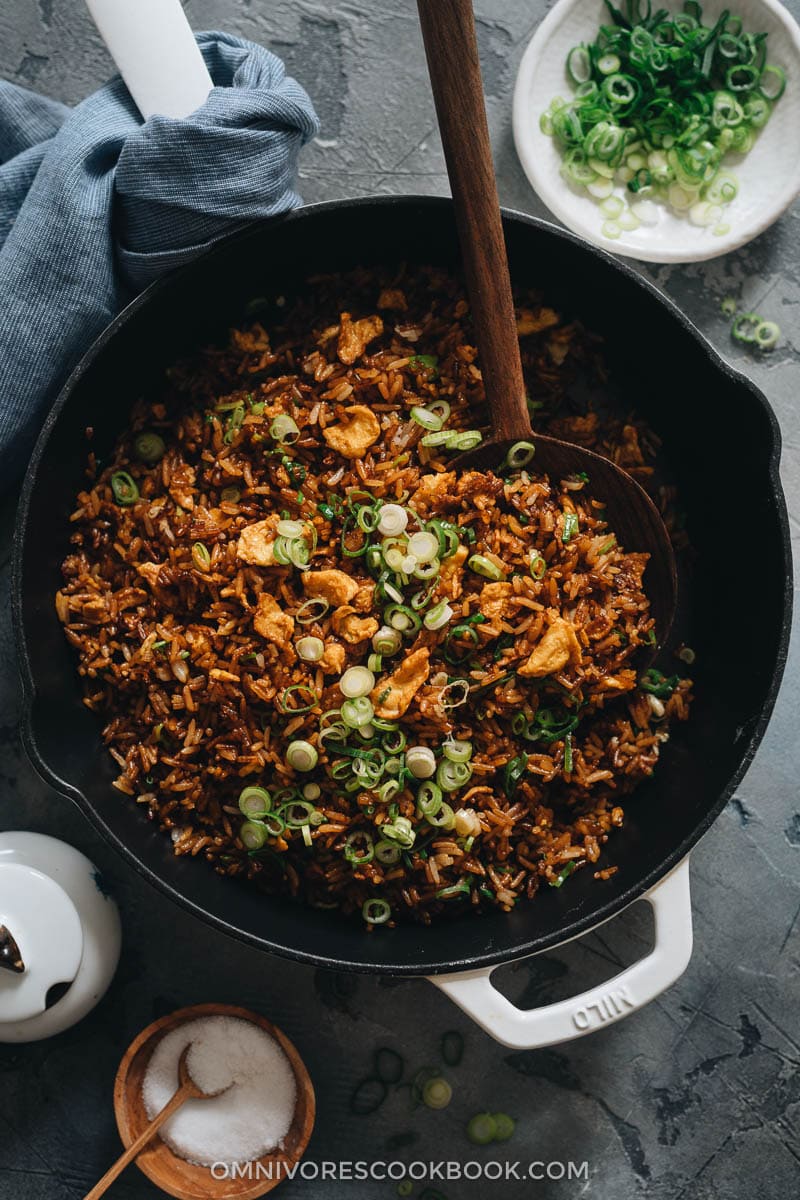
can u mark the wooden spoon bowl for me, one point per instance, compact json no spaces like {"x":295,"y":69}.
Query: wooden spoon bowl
{"x":188,"y":1181}
{"x":629,"y":512}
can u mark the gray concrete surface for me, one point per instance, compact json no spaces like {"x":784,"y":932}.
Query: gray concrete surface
{"x":697,"y":1097}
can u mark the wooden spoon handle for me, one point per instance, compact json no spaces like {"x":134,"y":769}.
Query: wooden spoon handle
{"x":448,"y":30}
{"x":183,"y":1093}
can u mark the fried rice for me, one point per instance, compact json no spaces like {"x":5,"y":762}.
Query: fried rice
{"x":230,"y":566}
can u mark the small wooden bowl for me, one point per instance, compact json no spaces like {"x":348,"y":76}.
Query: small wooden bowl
{"x":166,"y":1169}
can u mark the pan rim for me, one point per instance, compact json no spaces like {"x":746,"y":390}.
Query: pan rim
{"x":596,"y":915}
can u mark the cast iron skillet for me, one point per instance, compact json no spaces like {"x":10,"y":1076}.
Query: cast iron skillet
{"x":720,"y":437}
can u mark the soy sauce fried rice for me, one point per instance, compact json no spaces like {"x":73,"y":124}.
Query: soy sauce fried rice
{"x":332,"y":665}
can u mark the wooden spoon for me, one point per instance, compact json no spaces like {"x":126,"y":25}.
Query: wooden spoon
{"x":187,"y":1090}
{"x":448,"y":30}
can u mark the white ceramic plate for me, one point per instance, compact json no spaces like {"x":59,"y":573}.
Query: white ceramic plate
{"x":769,"y":176}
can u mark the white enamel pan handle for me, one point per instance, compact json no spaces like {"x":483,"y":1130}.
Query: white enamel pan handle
{"x":634,"y":987}
{"x":156,"y":54}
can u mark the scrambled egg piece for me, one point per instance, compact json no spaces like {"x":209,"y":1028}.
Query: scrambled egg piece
{"x":355,"y":336}
{"x":332,"y":661}
{"x":494,"y":600}
{"x":558,"y":646}
{"x":257,"y":543}
{"x":450,"y":566}
{"x":333,"y":586}
{"x":350,"y":626}
{"x":150,"y":571}
{"x":364,"y":597}
{"x":431,"y":488}
{"x":272,"y":622}
{"x":353,"y":437}
{"x":393,"y":298}
{"x":392,"y":696}
{"x":451,"y":578}
{"x":534,"y":322}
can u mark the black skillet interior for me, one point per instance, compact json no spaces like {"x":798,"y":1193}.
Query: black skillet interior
{"x":720,"y":439}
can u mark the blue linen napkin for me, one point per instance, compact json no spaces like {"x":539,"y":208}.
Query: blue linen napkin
{"x":95,"y":204}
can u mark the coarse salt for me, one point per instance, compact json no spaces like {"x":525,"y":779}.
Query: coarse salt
{"x":248,"y":1120}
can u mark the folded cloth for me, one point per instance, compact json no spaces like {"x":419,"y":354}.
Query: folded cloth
{"x":95,"y":204}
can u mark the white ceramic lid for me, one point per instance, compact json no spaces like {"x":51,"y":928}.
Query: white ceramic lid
{"x":45,"y":925}
{"x":66,"y":928}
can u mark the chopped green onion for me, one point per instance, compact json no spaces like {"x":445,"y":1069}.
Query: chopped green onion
{"x":579,"y":65}
{"x":311,"y":791}
{"x":439,"y":616}
{"x":437,"y":1093}
{"x":564,"y":874}
{"x":457,"y":750}
{"x":312,"y":610}
{"x":767,"y":335}
{"x":253,"y":834}
{"x":421,"y":762}
{"x":201,"y":557}
{"x":571,"y":525}
{"x":454,"y":891}
{"x":392,"y":520}
{"x":485,"y":567}
{"x":519,"y":455}
{"x":442,"y":818}
{"x":426,"y":361}
{"x":298,"y":813}
{"x":429,"y":799}
{"x":400,"y":830}
{"x":728,"y":307}
{"x":307,"y":696}
{"x":356,"y":681}
{"x":388,"y":853}
{"x":442,"y":437}
{"x":301,"y":755}
{"x":467,"y":440}
{"x":424,"y":546}
{"x":402,"y":618}
{"x":123,"y":489}
{"x":230,"y":495}
{"x":255,"y":802}
{"x":357,"y":712}
{"x":149,"y":447}
{"x":359,"y":848}
{"x":568,"y":754}
{"x":387,"y":640}
{"x":658,"y":685}
{"x":284,"y":430}
{"x":427,"y":419}
{"x":451,"y":776}
{"x":481,"y":1129}
{"x":537,"y":565}
{"x":310,"y":649}
{"x":513,"y":773}
{"x":274,"y":824}
{"x":504,"y":1126}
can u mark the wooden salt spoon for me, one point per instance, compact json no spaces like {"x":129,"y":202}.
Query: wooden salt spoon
{"x":187,"y":1090}
{"x":448,"y":30}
